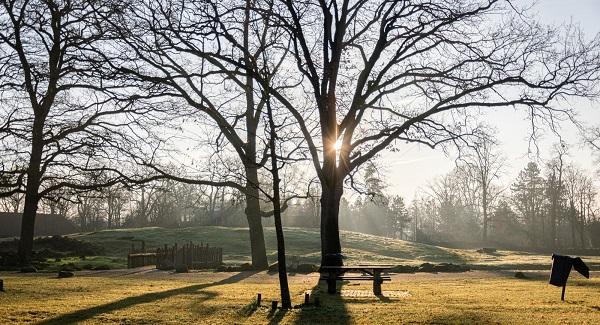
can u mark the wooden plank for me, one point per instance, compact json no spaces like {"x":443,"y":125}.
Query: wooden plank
{"x":359,"y":265}
{"x":357,"y":278}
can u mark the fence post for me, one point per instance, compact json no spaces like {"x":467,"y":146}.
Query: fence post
{"x":175,"y":254}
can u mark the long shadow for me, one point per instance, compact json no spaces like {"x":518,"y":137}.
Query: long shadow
{"x":83,"y":314}
{"x":332,"y":309}
{"x":277,"y":316}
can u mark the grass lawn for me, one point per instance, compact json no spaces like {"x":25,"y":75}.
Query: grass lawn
{"x":305,"y":243}
{"x":151,"y":297}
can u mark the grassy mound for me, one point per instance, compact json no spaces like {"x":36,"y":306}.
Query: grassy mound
{"x":305,"y":243}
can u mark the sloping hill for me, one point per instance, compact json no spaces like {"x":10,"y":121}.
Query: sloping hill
{"x":305,"y":243}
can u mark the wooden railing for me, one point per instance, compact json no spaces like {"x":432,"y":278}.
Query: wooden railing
{"x":140,"y":257}
{"x":190,"y":255}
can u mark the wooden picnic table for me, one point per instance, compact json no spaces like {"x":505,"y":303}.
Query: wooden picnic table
{"x":331,"y":274}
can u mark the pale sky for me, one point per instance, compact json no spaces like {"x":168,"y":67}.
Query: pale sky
{"x":416,"y":166}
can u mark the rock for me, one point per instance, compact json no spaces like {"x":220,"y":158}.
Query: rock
{"x":426,"y":267}
{"x":246,"y":267}
{"x":520,"y":275}
{"x":65,"y":274}
{"x":274,"y":267}
{"x":181,"y":268}
{"x":28,"y":269}
{"x":165,"y":266}
{"x":449,"y":267}
{"x":222,"y":268}
{"x":486,"y":250}
{"x":404,"y":269}
{"x":306,"y":268}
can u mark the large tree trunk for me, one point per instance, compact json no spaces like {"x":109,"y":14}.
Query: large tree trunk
{"x":253,"y":212}
{"x":31,"y":195}
{"x":28,"y":223}
{"x":257,"y":238}
{"x":332,"y":178}
{"x":331,"y":248}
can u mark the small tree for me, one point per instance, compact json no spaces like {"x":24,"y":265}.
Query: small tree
{"x":397,"y":217}
{"x":529,"y":198}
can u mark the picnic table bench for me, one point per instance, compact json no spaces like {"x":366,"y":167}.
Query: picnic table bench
{"x":332,"y":274}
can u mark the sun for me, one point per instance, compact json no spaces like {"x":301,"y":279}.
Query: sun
{"x":338,"y":145}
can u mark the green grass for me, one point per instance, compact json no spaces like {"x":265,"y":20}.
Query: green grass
{"x":229,"y":298}
{"x":305,"y":243}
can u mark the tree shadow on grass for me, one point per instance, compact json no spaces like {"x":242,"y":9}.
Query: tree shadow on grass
{"x":275,"y":317}
{"x":81,"y":315}
{"x":332,"y":309}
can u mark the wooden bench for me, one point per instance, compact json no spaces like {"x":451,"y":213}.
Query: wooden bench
{"x":332,"y":274}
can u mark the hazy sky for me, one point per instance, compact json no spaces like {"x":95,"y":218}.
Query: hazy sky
{"x":416,"y":166}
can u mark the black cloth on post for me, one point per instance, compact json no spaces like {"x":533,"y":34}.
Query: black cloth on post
{"x":580,"y":267}
{"x":561,"y":267}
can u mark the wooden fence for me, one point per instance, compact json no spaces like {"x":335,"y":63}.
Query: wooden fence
{"x":140,"y":257}
{"x":191,"y":255}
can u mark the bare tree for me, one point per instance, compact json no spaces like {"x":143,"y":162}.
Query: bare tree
{"x":555,"y":189}
{"x":580,"y":195}
{"x":483,"y":164}
{"x":65,"y":120}
{"x":286,"y":301}
{"x":183,"y":50}
{"x":115,"y":198}
{"x":386,"y":72}
{"x":13,"y":203}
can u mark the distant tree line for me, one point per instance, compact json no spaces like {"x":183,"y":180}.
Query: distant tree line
{"x":547,"y":206}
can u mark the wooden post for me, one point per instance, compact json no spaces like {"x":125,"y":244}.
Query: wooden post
{"x":274,"y":304}
{"x":331,"y":282}
{"x":377,"y":282}
{"x":306,"y":298}
{"x":258,"y":297}
{"x":562,"y":295}
{"x":157,"y":258}
{"x":175,"y":255}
